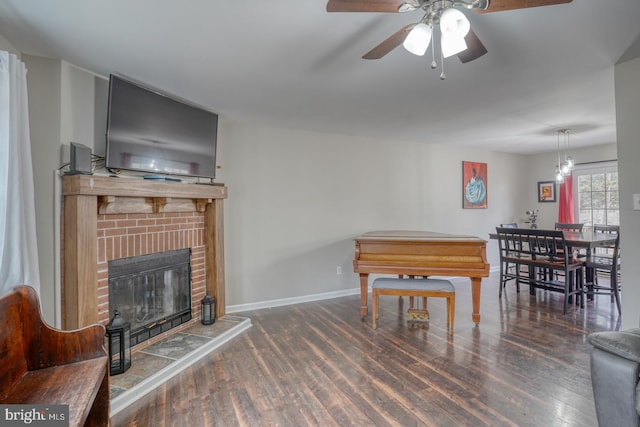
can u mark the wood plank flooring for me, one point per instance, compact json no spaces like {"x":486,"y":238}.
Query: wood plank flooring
{"x":319,"y":364}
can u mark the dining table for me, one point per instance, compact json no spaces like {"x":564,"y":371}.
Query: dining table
{"x":587,"y":239}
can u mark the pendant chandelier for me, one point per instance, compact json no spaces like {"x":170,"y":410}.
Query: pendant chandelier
{"x":564,"y":167}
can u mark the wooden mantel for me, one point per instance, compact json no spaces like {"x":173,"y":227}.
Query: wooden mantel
{"x":85,"y":196}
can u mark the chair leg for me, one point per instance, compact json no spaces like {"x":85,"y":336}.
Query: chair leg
{"x":578,"y":289}
{"x":567,"y":293}
{"x":616,"y":290}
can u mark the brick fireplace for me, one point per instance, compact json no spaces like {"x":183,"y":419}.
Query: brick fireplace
{"x":106,"y":219}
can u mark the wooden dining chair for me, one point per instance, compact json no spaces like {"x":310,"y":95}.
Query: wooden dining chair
{"x":513,"y":271}
{"x":605,"y":260}
{"x":575,"y":227}
{"x":549,"y":248}
{"x":569,"y":227}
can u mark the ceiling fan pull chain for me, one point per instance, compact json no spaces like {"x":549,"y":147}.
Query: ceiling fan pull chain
{"x":442,"y":75}
{"x":434,"y":65}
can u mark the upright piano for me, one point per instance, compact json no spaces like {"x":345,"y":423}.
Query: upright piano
{"x":421,"y":253}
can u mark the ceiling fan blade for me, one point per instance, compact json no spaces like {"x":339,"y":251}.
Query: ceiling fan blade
{"x":390,"y":43}
{"x":365,"y":5}
{"x":501,"y":5}
{"x":475,"y":48}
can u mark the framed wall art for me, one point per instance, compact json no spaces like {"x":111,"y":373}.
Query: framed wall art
{"x":546,"y":191}
{"x":474,"y":185}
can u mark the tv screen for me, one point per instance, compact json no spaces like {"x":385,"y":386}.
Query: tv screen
{"x":148,"y":131}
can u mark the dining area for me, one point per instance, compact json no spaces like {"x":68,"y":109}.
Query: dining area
{"x":576,"y":260}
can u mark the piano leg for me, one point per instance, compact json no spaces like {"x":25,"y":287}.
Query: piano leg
{"x":364,"y":294}
{"x":475,"y":298}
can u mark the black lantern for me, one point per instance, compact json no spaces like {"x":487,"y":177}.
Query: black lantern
{"x":119,"y":336}
{"x":208,"y":314}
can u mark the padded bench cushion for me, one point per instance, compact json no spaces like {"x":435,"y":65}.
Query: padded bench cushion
{"x":413,"y":284}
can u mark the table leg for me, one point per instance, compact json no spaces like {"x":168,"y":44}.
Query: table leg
{"x":475,"y":298}
{"x":364,"y":294}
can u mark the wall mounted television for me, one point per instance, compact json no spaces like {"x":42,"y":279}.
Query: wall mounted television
{"x":151,"y":132}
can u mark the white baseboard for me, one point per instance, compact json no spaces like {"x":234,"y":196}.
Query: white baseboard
{"x":293,"y":300}
{"x":310,"y":298}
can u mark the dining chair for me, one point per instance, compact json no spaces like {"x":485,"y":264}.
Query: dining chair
{"x":509,"y":248}
{"x":513,"y":270}
{"x":569,"y":227}
{"x":605,"y":260}
{"x":576,"y":227}
{"x":551,"y":246}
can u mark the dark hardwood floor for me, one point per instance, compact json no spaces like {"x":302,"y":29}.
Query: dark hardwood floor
{"x":318,"y":364}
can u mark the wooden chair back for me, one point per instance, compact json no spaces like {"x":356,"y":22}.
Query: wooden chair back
{"x":613,"y":250}
{"x":14,"y":364}
{"x":569,"y":227}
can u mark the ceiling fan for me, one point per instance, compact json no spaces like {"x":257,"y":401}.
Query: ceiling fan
{"x":456,"y":35}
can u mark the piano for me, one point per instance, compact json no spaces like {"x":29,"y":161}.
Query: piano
{"x":421,"y":253}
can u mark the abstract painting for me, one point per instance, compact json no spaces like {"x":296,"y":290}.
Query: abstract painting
{"x":474,"y":185}
{"x":546,"y":191}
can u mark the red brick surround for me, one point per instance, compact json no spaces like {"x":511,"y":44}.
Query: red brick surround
{"x":134,"y":234}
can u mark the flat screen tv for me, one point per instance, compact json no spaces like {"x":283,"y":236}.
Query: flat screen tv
{"x":148,"y":131}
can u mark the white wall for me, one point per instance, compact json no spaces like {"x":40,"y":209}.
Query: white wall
{"x":65,"y":104}
{"x":297,"y":200}
{"x":44,"y":86}
{"x":83,"y":100}
{"x":627,"y":84}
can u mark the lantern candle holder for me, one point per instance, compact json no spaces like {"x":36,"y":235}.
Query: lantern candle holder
{"x":119,"y":337}
{"x":208,"y":310}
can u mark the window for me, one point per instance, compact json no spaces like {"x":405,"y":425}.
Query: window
{"x":596,"y":193}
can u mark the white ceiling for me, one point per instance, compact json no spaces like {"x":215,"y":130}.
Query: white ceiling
{"x":290,"y":64}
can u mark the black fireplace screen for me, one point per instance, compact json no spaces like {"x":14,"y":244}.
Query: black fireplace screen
{"x":152,"y":292}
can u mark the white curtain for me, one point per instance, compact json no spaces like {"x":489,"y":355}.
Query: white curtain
{"x":18,"y":249}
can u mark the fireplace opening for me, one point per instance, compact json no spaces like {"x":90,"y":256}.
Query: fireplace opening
{"x":152,"y":292}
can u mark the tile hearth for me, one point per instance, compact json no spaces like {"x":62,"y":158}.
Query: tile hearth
{"x":159,"y":362}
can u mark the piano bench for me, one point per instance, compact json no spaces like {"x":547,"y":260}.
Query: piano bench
{"x":415,"y":288}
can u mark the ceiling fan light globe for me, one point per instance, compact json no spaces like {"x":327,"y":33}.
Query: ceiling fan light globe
{"x":418,"y":39}
{"x":452,"y":45}
{"x":453,"y":21}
